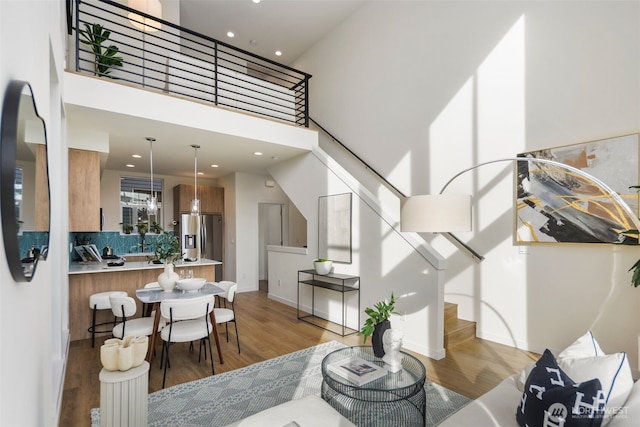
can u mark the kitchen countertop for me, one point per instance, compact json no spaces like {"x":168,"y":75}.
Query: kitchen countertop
{"x":102,"y":267}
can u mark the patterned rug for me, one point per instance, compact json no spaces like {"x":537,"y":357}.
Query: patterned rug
{"x":230,"y":396}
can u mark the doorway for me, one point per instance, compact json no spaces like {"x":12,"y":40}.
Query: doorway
{"x":270,"y":230}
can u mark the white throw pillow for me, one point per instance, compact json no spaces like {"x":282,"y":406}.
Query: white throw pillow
{"x":585,"y":346}
{"x":612,"y":370}
{"x":629,"y":414}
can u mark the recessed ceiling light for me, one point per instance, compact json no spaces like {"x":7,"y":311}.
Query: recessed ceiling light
{"x":215,"y":166}
{"x":256,"y":1}
{"x":130,"y":166}
{"x":257,"y":153}
{"x":230,"y":34}
{"x":136,"y":156}
{"x":278,"y":53}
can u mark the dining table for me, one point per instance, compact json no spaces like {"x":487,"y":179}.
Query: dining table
{"x":154,"y":296}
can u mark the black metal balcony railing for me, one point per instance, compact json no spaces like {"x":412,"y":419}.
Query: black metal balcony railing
{"x":181,"y":62}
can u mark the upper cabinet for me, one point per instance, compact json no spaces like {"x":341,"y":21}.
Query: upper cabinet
{"x":84,"y":190}
{"x":211,"y":199}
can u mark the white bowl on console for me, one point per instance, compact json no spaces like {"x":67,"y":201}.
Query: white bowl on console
{"x":192,"y":284}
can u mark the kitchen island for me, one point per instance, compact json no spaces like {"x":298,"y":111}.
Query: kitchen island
{"x":86,"y":279}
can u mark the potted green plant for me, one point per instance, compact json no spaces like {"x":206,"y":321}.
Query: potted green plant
{"x":166,"y":249}
{"x":155,"y":228}
{"x":377,"y":323}
{"x":142,"y":228}
{"x":126,"y":228}
{"x":106,"y":57}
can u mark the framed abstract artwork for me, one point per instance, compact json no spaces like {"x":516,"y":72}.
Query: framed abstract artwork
{"x":556,"y":205}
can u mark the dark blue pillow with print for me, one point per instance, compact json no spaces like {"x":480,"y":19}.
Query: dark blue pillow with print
{"x":550,"y":397}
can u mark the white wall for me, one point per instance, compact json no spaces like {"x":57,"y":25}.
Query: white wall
{"x":384,"y":259}
{"x":243,"y":237}
{"x":33,"y":316}
{"x":439,"y":86}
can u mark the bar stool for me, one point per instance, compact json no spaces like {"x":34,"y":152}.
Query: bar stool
{"x":100,"y":301}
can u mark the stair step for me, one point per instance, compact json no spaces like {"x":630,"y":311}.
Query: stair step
{"x":458,"y":330}
{"x":450,"y":311}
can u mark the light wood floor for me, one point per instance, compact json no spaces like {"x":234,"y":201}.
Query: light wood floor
{"x":268,"y":329}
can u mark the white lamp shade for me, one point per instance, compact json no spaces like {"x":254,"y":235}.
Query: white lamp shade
{"x":436,"y":213}
{"x":151,"y":7}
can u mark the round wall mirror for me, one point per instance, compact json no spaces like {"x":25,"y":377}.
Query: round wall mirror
{"x":24,"y":182}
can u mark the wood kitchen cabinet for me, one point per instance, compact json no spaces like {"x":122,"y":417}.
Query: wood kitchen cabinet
{"x":42,"y":190}
{"x":211,"y":199}
{"x":84,"y":190}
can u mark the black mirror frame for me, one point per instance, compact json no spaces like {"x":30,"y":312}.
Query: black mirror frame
{"x":8,"y":152}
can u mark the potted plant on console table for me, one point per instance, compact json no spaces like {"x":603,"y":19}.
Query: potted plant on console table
{"x":167,"y":250}
{"x":377,"y":323}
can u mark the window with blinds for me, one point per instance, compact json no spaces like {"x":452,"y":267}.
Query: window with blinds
{"x":134,"y":192}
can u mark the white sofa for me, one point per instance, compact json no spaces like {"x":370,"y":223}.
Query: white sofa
{"x":498,"y":407}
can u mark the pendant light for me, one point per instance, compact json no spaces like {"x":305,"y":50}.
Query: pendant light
{"x":195,"y":203}
{"x":152,"y":203}
{"x":150,"y":7}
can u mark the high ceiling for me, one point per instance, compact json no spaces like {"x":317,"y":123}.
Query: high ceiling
{"x":291,"y":26}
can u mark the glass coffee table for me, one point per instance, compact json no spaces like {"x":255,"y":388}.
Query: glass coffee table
{"x":396,"y":399}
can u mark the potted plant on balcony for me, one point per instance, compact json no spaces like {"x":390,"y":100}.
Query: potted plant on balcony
{"x":106,"y":57}
{"x":377,"y":323}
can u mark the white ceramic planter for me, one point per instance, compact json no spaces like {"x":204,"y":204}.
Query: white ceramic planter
{"x":323,"y":267}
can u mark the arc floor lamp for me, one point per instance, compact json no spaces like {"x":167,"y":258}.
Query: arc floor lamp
{"x":446,"y":213}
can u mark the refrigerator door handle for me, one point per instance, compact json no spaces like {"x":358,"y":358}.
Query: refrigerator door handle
{"x":203,"y":241}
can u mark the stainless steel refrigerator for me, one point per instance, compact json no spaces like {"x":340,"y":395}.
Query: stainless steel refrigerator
{"x":201,"y":237}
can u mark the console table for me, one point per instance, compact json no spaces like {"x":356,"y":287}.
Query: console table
{"x":343,"y":284}
{"x":396,"y":399}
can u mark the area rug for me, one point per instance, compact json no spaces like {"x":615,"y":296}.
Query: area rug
{"x":230,"y":396}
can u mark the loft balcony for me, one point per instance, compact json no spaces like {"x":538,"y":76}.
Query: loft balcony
{"x":160,"y":56}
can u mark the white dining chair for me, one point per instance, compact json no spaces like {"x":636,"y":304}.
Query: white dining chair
{"x":226,"y":315}
{"x":124,"y":307}
{"x":189,"y":320}
{"x":221,"y":299}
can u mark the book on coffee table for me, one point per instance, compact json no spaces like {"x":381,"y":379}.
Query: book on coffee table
{"x":357,"y":370}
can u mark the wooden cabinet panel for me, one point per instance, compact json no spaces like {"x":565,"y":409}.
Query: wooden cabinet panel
{"x":84,"y":190}
{"x":42,"y":190}
{"x":211,"y":199}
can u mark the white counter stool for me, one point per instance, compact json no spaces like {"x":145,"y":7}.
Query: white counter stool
{"x":100,"y":301}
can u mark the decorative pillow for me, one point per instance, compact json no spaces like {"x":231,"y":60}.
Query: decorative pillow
{"x":551,"y":397}
{"x":629,"y":414}
{"x":612,"y":370}
{"x":585,"y":346}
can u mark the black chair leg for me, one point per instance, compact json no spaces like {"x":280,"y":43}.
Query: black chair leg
{"x":93,"y":327}
{"x":237,"y":336}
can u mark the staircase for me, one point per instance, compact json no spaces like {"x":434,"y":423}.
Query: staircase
{"x":456,"y":330}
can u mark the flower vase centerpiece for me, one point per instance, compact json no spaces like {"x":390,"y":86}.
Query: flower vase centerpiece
{"x":167,"y":250}
{"x":378,"y":323}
